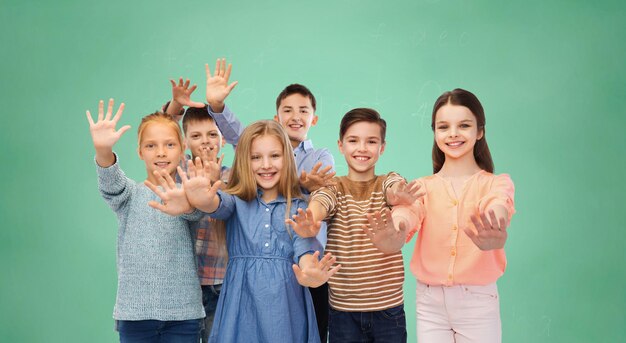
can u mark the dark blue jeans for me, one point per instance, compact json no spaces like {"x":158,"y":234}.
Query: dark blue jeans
{"x":156,"y":331}
{"x":379,"y":326}
{"x":210,"y":295}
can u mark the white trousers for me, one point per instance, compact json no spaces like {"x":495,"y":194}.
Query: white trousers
{"x":458,"y":314}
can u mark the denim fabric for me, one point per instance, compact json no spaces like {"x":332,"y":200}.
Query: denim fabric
{"x":210,"y":295}
{"x":359,"y":327}
{"x":156,"y":331}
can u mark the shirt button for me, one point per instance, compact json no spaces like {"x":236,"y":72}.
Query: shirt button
{"x":450,"y":277}
{"x":454,"y":227}
{"x":455,"y":202}
{"x":267,"y":210}
{"x":267,"y":244}
{"x":267,"y":225}
{"x":453,"y":253}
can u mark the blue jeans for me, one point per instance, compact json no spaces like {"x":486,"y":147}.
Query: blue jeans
{"x":156,"y":331}
{"x":379,"y":326}
{"x":210,"y":295}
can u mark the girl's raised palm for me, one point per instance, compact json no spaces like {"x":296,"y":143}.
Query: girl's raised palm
{"x":103,"y":132}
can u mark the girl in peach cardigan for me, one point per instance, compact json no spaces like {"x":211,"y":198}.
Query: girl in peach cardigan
{"x":461,"y":212}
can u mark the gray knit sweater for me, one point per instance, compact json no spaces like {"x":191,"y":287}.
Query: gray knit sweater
{"x":155,"y":260}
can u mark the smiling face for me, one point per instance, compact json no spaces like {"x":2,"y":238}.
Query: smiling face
{"x":361,"y":146}
{"x":297,"y":116}
{"x":266,"y":162}
{"x":202,"y":136}
{"x":160,"y":148}
{"x":456,"y":132}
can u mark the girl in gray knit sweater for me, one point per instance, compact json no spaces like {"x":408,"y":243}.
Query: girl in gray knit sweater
{"x":158,"y":292}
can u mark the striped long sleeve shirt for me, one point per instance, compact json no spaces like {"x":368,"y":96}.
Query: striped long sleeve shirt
{"x":368,"y":280}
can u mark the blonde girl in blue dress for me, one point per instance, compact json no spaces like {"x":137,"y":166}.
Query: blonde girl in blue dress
{"x":263,"y":298}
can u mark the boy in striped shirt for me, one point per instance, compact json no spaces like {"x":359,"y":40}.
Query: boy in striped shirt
{"x":366,"y":297}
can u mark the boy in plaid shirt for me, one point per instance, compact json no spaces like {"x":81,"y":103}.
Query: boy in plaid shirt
{"x":204,"y":140}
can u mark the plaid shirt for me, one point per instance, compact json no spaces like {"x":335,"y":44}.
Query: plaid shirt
{"x":211,"y":259}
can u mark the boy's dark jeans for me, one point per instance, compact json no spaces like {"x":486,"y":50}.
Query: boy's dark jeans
{"x":379,"y":326}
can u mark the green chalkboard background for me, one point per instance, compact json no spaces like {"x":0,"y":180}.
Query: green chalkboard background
{"x":551,"y":76}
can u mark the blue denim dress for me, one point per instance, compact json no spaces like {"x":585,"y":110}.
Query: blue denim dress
{"x":261,"y":300}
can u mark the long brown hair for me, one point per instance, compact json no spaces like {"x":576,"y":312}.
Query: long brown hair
{"x":461,"y":97}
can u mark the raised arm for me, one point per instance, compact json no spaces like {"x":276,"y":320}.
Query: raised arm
{"x":181,"y":96}
{"x":104,"y":134}
{"x":217,"y":87}
{"x":217,"y":91}
{"x":307,"y":222}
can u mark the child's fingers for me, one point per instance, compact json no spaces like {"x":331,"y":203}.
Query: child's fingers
{"x":228,"y":70}
{"x":494,"y":220}
{"x":168,"y":178}
{"x":368,"y":232}
{"x":477,"y":223}
{"x":216,"y":186}
{"x":216,"y":71}
{"x":486,"y":223}
{"x":186,"y":84}
{"x":290,"y":222}
{"x":325,"y":170}
{"x":193,"y":88}
{"x":89,"y":119}
{"x":219,"y":161}
{"x":208,"y":71}
{"x":122,"y":129}
{"x":222,"y":67}
{"x":196,"y":104}
{"x":109,"y":109}
{"x":298,"y":272}
{"x":316,"y":167}
{"x":101,"y":110}
{"x":157,"y":206}
{"x":155,"y":189}
{"x":232,"y":85}
{"x":503,"y":224}
{"x":173,"y":83}
{"x":119,"y":112}
{"x":333,"y":271}
{"x":182,"y":174}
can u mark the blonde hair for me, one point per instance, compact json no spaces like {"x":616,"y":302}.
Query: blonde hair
{"x":163,"y":118}
{"x":242,"y":182}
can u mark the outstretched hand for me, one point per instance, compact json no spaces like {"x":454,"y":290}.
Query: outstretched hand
{"x":181,"y":93}
{"x":197,"y":185}
{"x":173,"y":199}
{"x":317,"y":178}
{"x":383,"y":232}
{"x":314,"y":272}
{"x":490,"y":231}
{"x":212,"y":164}
{"x":217,"y":87}
{"x":304,"y":224}
{"x":403,"y":193}
{"x":103,"y":132}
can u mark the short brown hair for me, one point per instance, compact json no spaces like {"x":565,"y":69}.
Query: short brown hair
{"x":195,"y":114}
{"x":295,"y":88}
{"x":362,"y":114}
